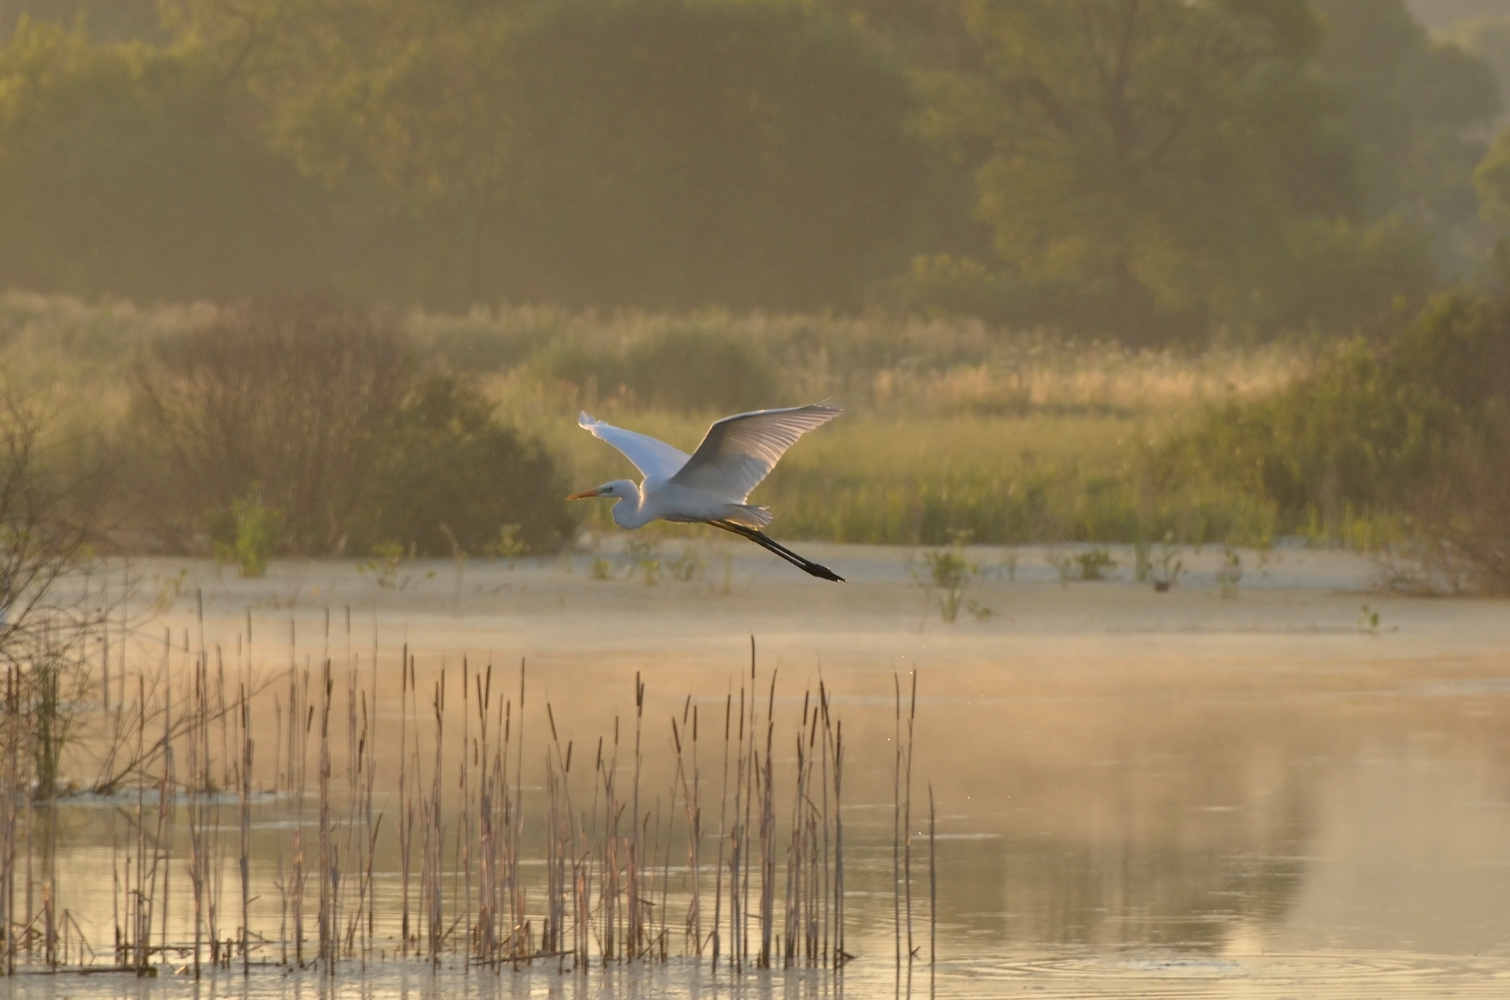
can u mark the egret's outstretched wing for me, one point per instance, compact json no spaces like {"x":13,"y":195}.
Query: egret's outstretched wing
{"x":739,"y":451}
{"x":651,"y":456}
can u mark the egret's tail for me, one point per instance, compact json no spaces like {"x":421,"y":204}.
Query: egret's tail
{"x":749,"y":514}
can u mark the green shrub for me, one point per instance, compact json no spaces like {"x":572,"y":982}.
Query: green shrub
{"x":247,"y":534}
{"x":452,"y":477}
{"x":1411,"y":430}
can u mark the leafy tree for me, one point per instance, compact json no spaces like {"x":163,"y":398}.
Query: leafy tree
{"x":1488,"y":38}
{"x":1417,"y":109}
{"x":660,"y":153}
{"x":1146,"y":156}
{"x":131,"y":171}
{"x":1493,"y":181}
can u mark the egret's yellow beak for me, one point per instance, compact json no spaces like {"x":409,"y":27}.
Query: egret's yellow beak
{"x":584,"y":495}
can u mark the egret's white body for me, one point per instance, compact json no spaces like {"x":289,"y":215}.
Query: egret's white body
{"x":713,"y":484}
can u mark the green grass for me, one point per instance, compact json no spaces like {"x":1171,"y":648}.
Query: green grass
{"x":951,"y":429}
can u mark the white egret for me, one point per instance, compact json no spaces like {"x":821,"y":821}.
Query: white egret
{"x":711,"y":485}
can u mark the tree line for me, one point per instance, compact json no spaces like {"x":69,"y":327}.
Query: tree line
{"x":1151,"y":170}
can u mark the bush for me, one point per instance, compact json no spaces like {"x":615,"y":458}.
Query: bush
{"x":291,"y":403}
{"x":1413,"y":429}
{"x":453,"y":479}
{"x":327,"y":421}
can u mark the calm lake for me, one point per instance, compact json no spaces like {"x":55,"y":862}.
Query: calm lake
{"x":1256,"y":792}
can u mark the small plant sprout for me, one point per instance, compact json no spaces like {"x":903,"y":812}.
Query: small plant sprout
{"x":1368,"y":619}
{"x":508,"y":545}
{"x":1092,"y":565}
{"x":169,"y":590}
{"x":690,"y":565}
{"x":1230,"y":573}
{"x":1142,"y":564}
{"x":644,"y":555}
{"x":386,"y":563}
{"x":1167,"y":569}
{"x":602,"y":569}
{"x":1095,"y":564}
{"x":950,"y":572}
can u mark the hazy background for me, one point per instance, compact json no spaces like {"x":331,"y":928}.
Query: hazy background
{"x":337,"y":274}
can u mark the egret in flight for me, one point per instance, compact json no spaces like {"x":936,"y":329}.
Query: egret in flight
{"x":711,"y":485}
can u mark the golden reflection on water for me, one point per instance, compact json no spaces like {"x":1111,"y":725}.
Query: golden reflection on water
{"x":1117,"y":773}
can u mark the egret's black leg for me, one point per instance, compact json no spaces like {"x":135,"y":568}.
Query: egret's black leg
{"x":770,"y":544}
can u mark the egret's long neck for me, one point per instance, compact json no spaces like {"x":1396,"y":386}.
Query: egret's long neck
{"x":630,"y":512}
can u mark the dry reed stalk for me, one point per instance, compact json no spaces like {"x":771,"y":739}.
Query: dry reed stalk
{"x":464,"y":832}
{"x":195,"y":805}
{"x":520,"y":928}
{"x":723,"y":801}
{"x":325,"y":848}
{"x":634,"y":903}
{"x":768,"y":836}
{"x":912,"y":712}
{"x":405,"y":825}
{"x":162,"y":851}
{"x":12,"y":790}
{"x":433,"y":884}
{"x":484,"y":935}
{"x":244,"y":857}
{"x":896,"y":820}
{"x":138,"y":925}
{"x":933,"y":894}
{"x":840,"y":955}
{"x":737,"y":849}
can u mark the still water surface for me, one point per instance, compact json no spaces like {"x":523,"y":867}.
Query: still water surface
{"x":1144,"y":794}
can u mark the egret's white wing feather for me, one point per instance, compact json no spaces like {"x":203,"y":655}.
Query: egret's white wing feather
{"x":651,"y":456}
{"x":739,"y":451}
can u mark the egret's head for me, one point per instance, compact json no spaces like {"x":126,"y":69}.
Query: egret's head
{"x":619,"y":489}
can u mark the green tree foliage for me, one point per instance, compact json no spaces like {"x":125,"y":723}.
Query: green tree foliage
{"x":1149,"y":169}
{"x":105,"y":20}
{"x":660,"y":153}
{"x":128,"y":170}
{"x":1417,"y":109}
{"x":1493,"y":181}
{"x":1488,"y":38}
{"x":1146,"y":163}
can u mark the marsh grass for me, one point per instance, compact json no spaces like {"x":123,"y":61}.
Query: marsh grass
{"x":950,"y":426}
{"x":513,"y":847}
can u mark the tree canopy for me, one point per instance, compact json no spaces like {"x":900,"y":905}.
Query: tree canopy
{"x":1147,"y":169}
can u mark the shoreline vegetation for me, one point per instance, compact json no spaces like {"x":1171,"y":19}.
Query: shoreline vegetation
{"x":253,"y":433}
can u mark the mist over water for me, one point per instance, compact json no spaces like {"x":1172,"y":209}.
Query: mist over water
{"x":1194,"y":795}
